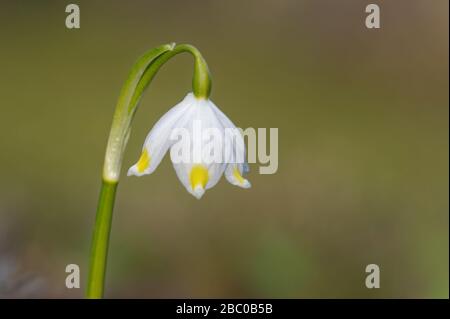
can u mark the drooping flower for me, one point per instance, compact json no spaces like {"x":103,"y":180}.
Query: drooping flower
{"x":210,"y":145}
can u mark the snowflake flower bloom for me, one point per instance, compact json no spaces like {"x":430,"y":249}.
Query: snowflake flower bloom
{"x":197,"y":172}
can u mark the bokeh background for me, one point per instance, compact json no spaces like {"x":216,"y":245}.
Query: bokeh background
{"x":363,"y":149}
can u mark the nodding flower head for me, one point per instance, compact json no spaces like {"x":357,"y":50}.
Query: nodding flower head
{"x":198,"y":162}
{"x":203,"y":143}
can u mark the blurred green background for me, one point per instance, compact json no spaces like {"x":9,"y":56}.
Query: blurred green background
{"x":363,"y":149}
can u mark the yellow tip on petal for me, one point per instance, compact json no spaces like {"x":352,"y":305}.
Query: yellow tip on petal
{"x":199,"y":176}
{"x":144,"y":161}
{"x":238,"y":176}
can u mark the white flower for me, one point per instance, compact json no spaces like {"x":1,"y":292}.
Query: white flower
{"x":217,"y":148}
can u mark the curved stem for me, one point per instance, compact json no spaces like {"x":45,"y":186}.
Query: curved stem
{"x":201,"y":81}
{"x":138,"y":80}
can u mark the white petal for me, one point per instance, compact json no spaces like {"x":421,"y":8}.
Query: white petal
{"x":222,"y":117}
{"x":238,"y":145}
{"x":215,"y":172}
{"x":187,"y":176}
{"x":183,"y":171}
{"x":198,"y":192}
{"x":198,"y":162}
{"x":157,"y":141}
{"x":233,"y":174}
{"x":237,"y":166}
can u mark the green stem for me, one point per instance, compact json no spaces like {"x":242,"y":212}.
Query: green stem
{"x":201,"y":81}
{"x":138,"y":80}
{"x":100,"y":241}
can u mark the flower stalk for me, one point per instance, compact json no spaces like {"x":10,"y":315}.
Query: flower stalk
{"x":142,"y":73}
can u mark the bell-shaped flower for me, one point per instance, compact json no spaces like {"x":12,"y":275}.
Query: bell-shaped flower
{"x":203,"y":144}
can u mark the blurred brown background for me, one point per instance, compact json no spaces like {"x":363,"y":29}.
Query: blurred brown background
{"x":363,"y":159}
